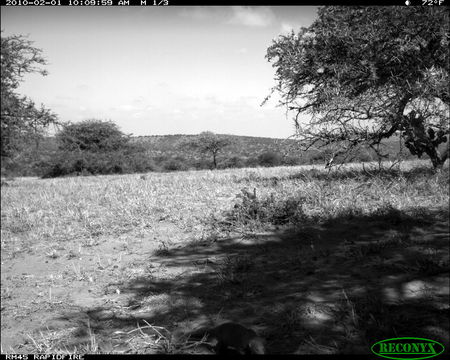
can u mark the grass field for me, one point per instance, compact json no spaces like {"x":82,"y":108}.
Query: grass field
{"x":317,"y":262}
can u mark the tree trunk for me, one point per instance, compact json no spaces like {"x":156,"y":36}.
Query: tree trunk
{"x":420,"y":139}
{"x":438,"y":160}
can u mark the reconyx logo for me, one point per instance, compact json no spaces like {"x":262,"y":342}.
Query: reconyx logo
{"x":410,"y":348}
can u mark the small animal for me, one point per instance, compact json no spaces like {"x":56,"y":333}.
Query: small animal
{"x":232,"y":337}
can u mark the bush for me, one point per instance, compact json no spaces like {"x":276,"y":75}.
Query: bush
{"x":292,"y":161}
{"x":95,"y":163}
{"x":140,"y":162}
{"x":269,"y":158}
{"x":250,"y":209}
{"x":364,"y":157}
{"x":234,"y":162}
{"x":317,"y":158}
{"x":175,"y":164}
{"x":203,"y":164}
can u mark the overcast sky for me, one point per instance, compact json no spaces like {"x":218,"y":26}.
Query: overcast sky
{"x":159,"y":70}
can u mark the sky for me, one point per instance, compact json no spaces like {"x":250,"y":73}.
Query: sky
{"x":159,"y":70}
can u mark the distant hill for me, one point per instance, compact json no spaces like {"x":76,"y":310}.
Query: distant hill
{"x":166,"y":153}
{"x":244,"y":147}
{"x":241,"y":146}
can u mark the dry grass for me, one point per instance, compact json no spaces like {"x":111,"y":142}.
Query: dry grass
{"x":69,"y":217}
{"x":81,"y":208}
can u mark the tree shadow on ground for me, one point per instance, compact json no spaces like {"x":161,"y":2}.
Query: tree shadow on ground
{"x":363,"y":174}
{"x":337,"y":286}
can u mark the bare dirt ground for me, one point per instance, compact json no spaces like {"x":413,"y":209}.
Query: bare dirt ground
{"x":334,"y":287}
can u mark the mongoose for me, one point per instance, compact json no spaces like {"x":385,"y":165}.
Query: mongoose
{"x":235,"y":337}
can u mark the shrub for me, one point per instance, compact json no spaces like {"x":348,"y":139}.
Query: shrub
{"x":203,"y":164}
{"x":269,"y":158}
{"x":292,"y":161}
{"x":234,"y":162}
{"x":249,"y":209}
{"x":95,"y":163}
{"x":175,"y":164}
{"x":364,"y":157}
{"x":316,"y":158}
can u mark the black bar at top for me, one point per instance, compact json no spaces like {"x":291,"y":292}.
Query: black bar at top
{"x":85,"y":3}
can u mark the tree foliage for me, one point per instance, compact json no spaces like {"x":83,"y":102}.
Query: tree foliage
{"x":91,"y":135}
{"x":209,"y":143}
{"x":94,"y":147}
{"x":363,"y":74}
{"x":21,"y":120}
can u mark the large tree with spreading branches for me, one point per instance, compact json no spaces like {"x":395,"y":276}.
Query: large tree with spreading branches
{"x":22,"y":122}
{"x":363,"y":74}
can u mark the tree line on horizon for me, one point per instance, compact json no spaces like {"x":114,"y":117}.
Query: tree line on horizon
{"x":94,"y":147}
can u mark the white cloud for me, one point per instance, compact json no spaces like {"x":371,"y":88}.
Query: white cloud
{"x":127,"y":107}
{"x":253,"y":17}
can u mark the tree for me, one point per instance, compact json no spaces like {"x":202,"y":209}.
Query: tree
{"x":91,"y":136}
{"x":363,"y":74}
{"x":96,"y":147}
{"x":209,"y":143}
{"x":21,"y":120}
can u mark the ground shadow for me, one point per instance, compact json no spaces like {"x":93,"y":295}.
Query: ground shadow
{"x":332,"y":287}
{"x":361,"y":173}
